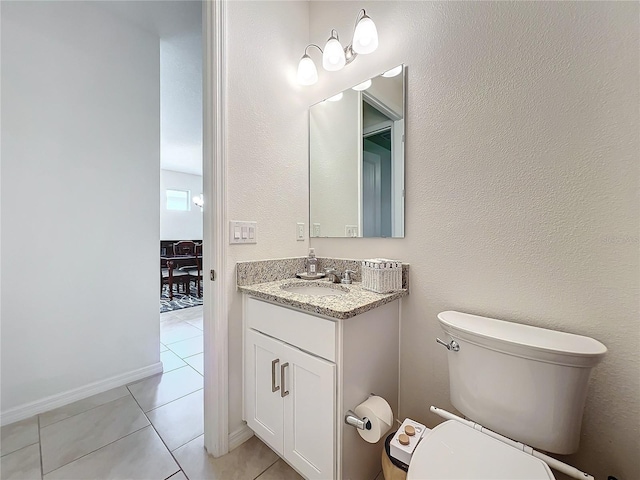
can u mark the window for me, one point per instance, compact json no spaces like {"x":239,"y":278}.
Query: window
{"x":178,"y":200}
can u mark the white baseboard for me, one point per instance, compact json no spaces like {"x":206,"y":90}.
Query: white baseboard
{"x":30,"y":409}
{"x":239,"y":436}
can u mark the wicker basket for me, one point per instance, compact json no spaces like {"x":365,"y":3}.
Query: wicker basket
{"x":381,"y":275}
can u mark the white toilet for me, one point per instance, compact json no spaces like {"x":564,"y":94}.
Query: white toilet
{"x":526,"y":383}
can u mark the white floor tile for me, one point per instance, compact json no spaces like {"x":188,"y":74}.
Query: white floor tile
{"x":170,"y":361}
{"x":80,"y":406}
{"x":191,"y":313}
{"x":176,"y":330}
{"x":167,"y":315}
{"x":160,"y":389}
{"x":198,"y":323}
{"x":180,"y":421}
{"x":187,"y":348}
{"x":163,"y":348}
{"x":140,"y":455}
{"x":245,"y":462}
{"x":69,"y":439}
{"x":19,"y":435}
{"x":197,"y":362}
{"x":23,"y":464}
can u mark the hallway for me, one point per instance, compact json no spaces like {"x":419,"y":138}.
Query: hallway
{"x":150,"y":429}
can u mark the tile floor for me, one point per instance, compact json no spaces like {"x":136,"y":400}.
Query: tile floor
{"x":151,"y":429}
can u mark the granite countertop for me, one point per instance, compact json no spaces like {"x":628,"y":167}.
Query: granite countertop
{"x":355,"y":302}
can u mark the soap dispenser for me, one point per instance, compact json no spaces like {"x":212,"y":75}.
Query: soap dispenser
{"x":312,"y":263}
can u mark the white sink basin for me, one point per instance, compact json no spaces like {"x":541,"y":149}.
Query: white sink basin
{"x":316,"y":290}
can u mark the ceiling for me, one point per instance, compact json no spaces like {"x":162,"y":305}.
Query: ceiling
{"x":178,"y":25}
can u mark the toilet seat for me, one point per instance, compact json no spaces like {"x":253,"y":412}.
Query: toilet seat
{"x":453,"y":451}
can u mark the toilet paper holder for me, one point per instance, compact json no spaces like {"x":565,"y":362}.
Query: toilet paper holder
{"x":350,"y":418}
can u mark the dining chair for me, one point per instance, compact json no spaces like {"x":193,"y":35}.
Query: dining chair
{"x":192,"y":265}
{"x":184,"y":248}
{"x":178,"y":278}
{"x":195,"y":272}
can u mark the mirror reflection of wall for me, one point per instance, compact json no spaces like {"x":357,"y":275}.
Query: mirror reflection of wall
{"x":333,"y":169}
{"x":356,"y":161}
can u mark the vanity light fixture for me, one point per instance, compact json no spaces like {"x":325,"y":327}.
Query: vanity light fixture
{"x":307,"y":71}
{"x":335,"y":98}
{"x":362,"y":86}
{"x":393,"y":72}
{"x":334,"y":55}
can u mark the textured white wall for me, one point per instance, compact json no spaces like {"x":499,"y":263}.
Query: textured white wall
{"x":80,"y":176}
{"x":267,"y":147}
{"x":176,"y":225}
{"x":522,"y":186}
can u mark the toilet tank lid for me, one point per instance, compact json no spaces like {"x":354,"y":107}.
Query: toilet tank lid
{"x":525,"y":335}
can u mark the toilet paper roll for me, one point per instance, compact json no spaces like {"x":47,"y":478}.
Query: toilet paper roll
{"x":379,"y":413}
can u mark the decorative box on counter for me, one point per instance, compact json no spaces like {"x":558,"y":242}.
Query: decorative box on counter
{"x":381,"y":275}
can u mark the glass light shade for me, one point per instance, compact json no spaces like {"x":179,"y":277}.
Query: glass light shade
{"x":393,"y":72}
{"x":333,"y":58}
{"x":362,"y":86}
{"x":365,"y":38}
{"x":335,"y":98}
{"x":307,"y":71}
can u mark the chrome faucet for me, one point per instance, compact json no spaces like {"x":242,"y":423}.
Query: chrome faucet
{"x":346,"y":279}
{"x":335,"y":273}
{"x":347,"y":276}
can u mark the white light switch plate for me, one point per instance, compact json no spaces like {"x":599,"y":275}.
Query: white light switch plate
{"x":243,"y":232}
{"x":351,"y":230}
{"x":299,"y":232}
{"x":316,"y":229}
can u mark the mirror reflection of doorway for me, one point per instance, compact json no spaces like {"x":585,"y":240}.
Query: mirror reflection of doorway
{"x":378,"y":123}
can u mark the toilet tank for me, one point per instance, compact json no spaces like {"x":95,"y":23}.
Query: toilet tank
{"x":524,"y":382}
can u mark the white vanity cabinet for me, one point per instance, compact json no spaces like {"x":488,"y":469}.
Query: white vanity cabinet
{"x":302,"y":372}
{"x":286,"y":390}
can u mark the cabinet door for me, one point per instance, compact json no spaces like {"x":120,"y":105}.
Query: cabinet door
{"x":309,"y":414}
{"x":263,"y":405}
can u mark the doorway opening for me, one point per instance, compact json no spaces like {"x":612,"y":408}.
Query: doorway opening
{"x":381,"y":167}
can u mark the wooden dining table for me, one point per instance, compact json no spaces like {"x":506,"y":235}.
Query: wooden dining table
{"x":177,"y":261}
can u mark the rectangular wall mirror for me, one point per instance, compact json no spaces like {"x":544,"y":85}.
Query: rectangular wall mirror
{"x":356,"y":160}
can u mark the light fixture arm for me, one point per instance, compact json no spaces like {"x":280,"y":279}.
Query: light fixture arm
{"x":360,"y":16}
{"x":312,"y":45}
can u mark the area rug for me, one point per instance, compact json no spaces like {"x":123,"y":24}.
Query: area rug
{"x":180,"y":300}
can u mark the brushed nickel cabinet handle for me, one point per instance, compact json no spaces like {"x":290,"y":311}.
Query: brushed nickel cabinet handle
{"x":273,"y":375}
{"x":283,"y":392}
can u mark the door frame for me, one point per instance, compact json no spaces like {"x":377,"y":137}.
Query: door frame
{"x":216,"y":322}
